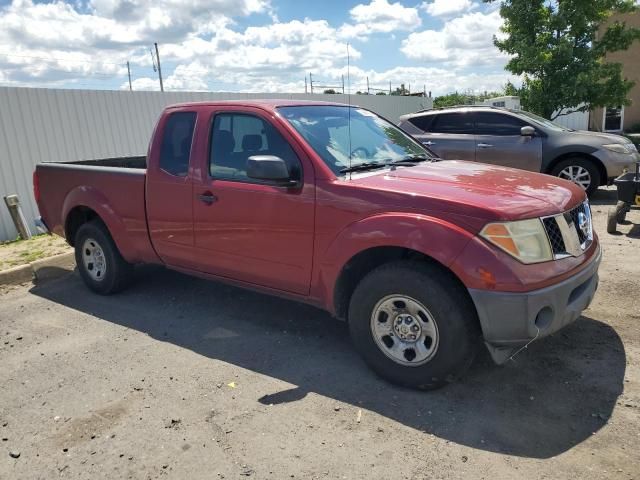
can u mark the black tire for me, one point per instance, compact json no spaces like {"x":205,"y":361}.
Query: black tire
{"x":117,"y":272}
{"x":588,"y":165}
{"x":448,"y":304}
{"x":612,"y":221}
{"x":621,"y":211}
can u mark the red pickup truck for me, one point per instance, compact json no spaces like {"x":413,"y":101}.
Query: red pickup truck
{"x":334,"y":206}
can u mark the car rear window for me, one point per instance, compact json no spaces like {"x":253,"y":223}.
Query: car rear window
{"x":488,"y":123}
{"x":423,"y":122}
{"x":452,"y":123}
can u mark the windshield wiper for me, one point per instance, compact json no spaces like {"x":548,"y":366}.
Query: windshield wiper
{"x":364,"y":166}
{"x":410,"y":159}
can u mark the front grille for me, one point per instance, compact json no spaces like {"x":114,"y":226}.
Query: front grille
{"x":555,"y":235}
{"x":574,"y":217}
{"x":565,"y":232}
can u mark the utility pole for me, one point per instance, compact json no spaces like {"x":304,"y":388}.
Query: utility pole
{"x":129,"y":74}
{"x":368,"y":91}
{"x":305,"y":84}
{"x":343,"y":84}
{"x":311,"y":81}
{"x":389,"y":87}
{"x":159,"y":68}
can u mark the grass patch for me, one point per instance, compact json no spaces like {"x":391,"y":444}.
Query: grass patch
{"x":22,"y":252}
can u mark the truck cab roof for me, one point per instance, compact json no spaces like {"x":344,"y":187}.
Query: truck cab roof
{"x":267,"y":103}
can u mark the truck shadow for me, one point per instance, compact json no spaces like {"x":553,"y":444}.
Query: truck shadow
{"x":552,"y":397}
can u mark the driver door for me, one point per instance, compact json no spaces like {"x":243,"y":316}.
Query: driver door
{"x":247,"y":230}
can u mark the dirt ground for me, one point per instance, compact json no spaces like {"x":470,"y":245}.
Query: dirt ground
{"x":182,"y":378}
{"x":21,"y":252}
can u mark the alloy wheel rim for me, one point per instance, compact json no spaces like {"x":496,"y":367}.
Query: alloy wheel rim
{"x":404,"y":330}
{"x":577,"y":174}
{"x":93,"y":259}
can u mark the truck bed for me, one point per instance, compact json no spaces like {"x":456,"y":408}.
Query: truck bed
{"x":114,"y":188}
{"x":139,"y":162}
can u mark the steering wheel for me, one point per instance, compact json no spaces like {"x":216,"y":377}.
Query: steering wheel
{"x":360,"y":152}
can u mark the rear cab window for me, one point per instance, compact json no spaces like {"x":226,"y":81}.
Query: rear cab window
{"x":423,"y":122}
{"x":177,"y":137}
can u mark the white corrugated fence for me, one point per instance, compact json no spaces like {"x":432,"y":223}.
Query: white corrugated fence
{"x":47,"y":125}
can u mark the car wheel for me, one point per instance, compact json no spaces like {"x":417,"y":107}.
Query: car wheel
{"x":99,"y":262}
{"x":414,"y":325}
{"x":580,"y":171}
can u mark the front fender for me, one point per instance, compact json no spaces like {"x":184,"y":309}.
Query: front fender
{"x":91,"y":197}
{"x":431,"y":236}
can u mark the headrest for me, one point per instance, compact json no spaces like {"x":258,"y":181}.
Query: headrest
{"x":251,"y":143}
{"x":224,"y":141}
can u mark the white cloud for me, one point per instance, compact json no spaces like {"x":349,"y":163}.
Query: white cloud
{"x":463,"y":41}
{"x":438,"y":8}
{"x":380,"y":16}
{"x":201,"y":47}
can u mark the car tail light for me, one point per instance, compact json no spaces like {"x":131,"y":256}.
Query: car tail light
{"x":36,"y":186}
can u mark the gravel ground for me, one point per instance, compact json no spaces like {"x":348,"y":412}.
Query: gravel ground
{"x":182,"y":378}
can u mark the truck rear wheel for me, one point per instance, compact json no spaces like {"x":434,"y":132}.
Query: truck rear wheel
{"x":414,"y":325}
{"x":99,"y":262}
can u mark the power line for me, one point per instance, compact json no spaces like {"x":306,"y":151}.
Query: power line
{"x":60,"y":59}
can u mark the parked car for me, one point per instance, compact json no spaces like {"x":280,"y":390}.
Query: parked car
{"x":519,"y":139}
{"x":334,"y":206}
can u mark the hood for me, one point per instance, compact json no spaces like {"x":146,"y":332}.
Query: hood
{"x":476,"y":190}
{"x":598,"y":138}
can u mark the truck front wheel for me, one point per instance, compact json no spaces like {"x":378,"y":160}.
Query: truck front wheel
{"x":414,"y":325}
{"x":99,"y":262}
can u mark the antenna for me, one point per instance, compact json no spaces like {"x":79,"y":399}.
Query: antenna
{"x":348,"y":103}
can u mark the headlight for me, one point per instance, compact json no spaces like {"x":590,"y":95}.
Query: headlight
{"x":525,"y":240}
{"x":620,"y":147}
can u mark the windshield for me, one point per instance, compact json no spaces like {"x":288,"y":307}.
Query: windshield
{"x":543,"y":121}
{"x":366,"y":140}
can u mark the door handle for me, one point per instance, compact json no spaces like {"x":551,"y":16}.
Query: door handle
{"x":207,"y":198}
{"x":429,"y":143}
{"x":485,"y":145}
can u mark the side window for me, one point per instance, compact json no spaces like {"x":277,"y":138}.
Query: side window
{"x":237,"y":136}
{"x":176,"y":143}
{"x":452,"y":123}
{"x":423,"y":122}
{"x":488,"y":123}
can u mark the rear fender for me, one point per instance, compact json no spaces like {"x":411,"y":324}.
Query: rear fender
{"x":91,"y":197}
{"x":431,"y":236}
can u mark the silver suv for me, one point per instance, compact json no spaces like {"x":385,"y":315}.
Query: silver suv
{"x":519,"y":139}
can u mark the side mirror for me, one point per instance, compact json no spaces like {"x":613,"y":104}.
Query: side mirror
{"x":528,"y":131}
{"x":270,"y":169}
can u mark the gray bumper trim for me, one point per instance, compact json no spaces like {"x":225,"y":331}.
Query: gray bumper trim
{"x":508,"y":320}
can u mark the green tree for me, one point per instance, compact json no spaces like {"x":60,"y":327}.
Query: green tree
{"x":467,"y":98}
{"x":330,"y":91}
{"x":559,"y":50}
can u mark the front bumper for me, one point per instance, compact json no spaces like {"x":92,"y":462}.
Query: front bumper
{"x":511,"y":320}
{"x":616,"y":163}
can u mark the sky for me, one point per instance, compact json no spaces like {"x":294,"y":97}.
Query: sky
{"x":440,"y":46}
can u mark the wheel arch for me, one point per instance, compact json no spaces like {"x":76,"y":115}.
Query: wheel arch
{"x":587,"y":156}
{"x":365,"y":261}
{"x":78,"y":216}
{"x":84,"y":204}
